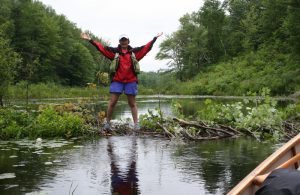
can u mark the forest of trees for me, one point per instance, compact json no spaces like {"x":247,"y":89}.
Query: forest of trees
{"x":229,"y":47}
{"x":235,"y":46}
{"x":38,"y":45}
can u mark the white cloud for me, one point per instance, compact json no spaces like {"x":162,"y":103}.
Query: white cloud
{"x":139,"y":19}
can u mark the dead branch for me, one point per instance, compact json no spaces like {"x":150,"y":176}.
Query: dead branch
{"x":166,"y":130}
{"x":186,"y":123}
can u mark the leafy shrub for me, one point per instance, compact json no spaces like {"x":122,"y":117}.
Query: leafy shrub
{"x":50,"y":123}
{"x":150,"y":119}
{"x":13,"y":123}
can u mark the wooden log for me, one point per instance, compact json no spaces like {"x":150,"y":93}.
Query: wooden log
{"x":251,"y":133}
{"x":231,"y":129}
{"x":203,"y":127}
{"x":190,"y":137}
{"x":166,"y":130}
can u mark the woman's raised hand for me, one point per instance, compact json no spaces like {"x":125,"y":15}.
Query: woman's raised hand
{"x":159,"y":34}
{"x":85,"y":36}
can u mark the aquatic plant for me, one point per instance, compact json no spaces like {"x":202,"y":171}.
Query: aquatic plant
{"x":66,"y":121}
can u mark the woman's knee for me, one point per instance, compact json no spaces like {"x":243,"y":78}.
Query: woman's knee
{"x":112,"y":103}
{"x":132,"y":103}
{"x":113,"y":100}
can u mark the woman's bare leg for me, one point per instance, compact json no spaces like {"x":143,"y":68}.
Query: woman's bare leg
{"x":133,"y":106}
{"x":114,"y":97}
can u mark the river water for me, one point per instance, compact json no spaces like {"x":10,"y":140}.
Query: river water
{"x":128,"y":164}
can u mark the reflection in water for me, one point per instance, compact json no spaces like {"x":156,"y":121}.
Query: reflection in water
{"x":221,"y":164}
{"x":123,"y":183}
{"x":128,"y":165}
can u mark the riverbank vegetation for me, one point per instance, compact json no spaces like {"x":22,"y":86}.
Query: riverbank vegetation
{"x":67,"y":120}
{"x":52,"y":90}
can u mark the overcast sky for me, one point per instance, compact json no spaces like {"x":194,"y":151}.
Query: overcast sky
{"x":141,"y":20}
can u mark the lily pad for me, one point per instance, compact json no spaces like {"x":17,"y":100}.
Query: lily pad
{"x":7,"y":175}
{"x":19,"y":165}
{"x":45,"y":153}
{"x":48,"y":163}
{"x":78,"y":146}
{"x":10,"y":186}
{"x":38,"y":152}
{"x":5,"y":149}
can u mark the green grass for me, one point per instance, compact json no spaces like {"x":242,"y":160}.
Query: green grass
{"x":51,"y":90}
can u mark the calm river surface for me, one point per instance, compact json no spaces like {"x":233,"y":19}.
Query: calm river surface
{"x":128,"y":164}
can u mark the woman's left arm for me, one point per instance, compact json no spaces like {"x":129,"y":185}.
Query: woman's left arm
{"x":140,"y":52}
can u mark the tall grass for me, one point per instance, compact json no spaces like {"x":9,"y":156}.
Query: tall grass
{"x":52,"y":90}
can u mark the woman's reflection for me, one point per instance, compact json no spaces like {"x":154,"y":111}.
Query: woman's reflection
{"x":123,"y":183}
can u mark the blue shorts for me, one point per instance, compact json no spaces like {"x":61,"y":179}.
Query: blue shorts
{"x":128,"y":88}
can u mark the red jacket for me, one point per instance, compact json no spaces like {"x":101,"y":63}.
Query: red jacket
{"x":125,"y":73}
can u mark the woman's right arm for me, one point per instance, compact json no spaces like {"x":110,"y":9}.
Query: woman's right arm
{"x":104,"y":50}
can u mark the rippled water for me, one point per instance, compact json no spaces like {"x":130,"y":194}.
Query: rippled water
{"x":129,"y":164}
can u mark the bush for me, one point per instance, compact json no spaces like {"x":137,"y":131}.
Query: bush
{"x":14,"y":124}
{"x":50,"y":123}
